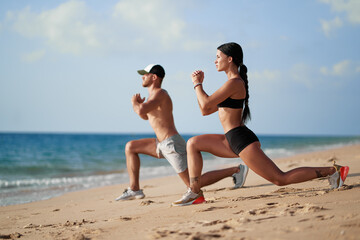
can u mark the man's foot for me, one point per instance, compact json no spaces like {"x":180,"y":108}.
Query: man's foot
{"x":337,"y":179}
{"x":129,"y":194}
{"x":190,"y":198}
{"x":240,"y":177}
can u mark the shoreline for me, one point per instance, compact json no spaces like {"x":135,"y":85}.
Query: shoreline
{"x":25,"y":178}
{"x":259,"y":210}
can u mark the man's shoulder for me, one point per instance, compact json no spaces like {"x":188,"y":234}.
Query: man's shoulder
{"x":161,"y":92}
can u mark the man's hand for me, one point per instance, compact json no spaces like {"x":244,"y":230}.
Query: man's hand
{"x":137,"y":98}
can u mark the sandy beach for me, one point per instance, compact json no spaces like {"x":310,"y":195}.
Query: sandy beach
{"x":260,"y":210}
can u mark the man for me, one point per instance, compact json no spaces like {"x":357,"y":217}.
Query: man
{"x":168,"y":143}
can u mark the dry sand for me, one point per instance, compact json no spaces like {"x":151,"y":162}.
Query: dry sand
{"x":260,"y":210}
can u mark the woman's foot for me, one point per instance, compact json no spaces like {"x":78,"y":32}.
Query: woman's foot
{"x":337,"y":179}
{"x":190,"y":198}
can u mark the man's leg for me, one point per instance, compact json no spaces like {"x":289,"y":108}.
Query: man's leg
{"x":132,"y":150}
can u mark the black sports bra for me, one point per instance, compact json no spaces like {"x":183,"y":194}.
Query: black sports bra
{"x":232,"y":103}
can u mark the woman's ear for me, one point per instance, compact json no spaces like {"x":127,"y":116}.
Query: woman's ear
{"x":230,"y":59}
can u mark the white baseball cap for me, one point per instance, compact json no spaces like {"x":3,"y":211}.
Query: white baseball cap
{"x":153,"y":68}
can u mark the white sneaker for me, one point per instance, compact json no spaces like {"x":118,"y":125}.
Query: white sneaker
{"x":240,"y":177}
{"x":129,"y":194}
{"x":190,"y":198}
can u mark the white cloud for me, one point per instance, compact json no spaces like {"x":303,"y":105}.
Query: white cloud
{"x":65,"y":28}
{"x":134,"y":24}
{"x":350,"y":7}
{"x":329,"y":26}
{"x":33,"y":56}
{"x":265,"y":76}
{"x":157,"y":24}
{"x":302,"y":74}
{"x":342,"y":68}
{"x":265,"y":80}
{"x":157,"y":18}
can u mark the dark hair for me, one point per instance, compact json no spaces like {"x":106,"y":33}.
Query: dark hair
{"x":234,"y":50}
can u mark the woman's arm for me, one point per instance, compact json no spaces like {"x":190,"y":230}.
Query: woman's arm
{"x":208,"y":104}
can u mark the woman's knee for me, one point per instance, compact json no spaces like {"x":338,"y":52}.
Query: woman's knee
{"x":279,"y":182}
{"x":129,"y":147}
{"x":192,"y":144}
{"x":278,"y":179}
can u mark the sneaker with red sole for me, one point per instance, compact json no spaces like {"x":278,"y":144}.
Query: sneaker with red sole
{"x":190,"y":198}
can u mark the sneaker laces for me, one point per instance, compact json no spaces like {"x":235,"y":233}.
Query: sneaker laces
{"x":188,"y":192}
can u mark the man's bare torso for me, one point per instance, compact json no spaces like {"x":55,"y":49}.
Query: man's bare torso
{"x":161,"y":118}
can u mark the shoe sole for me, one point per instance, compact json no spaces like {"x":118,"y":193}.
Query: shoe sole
{"x":199,"y":200}
{"x":343,"y":174}
{"x":129,"y":198}
{"x":246,"y":171}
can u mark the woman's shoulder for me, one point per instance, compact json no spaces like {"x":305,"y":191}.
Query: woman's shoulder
{"x":236,"y":81}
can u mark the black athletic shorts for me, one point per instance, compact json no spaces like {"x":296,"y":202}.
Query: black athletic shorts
{"x":239,"y":138}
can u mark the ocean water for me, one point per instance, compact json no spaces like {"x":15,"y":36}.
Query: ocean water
{"x":40,"y":166}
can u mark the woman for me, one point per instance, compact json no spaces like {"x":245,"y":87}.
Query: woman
{"x":231,"y":101}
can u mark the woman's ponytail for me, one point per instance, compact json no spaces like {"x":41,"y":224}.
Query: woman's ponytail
{"x":246,"y":112}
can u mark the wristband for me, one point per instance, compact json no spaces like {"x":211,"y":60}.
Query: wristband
{"x":198,"y":84}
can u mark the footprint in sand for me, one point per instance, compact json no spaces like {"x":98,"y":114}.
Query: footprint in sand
{"x":125,"y":218}
{"x":31,"y":225}
{"x":11,"y":236}
{"x":174,"y":234}
{"x":210,"y":209}
{"x":146,"y":203}
{"x":263,"y":210}
{"x":239,"y":199}
{"x":90,"y":210}
{"x":76,"y":223}
{"x":296,"y":208}
{"x":324,"y":217}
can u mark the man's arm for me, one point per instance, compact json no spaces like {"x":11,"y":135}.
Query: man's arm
{"x":143,"y":108}
{"x":136,"y":102}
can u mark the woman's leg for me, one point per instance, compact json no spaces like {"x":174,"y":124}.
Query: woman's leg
{"x":256,"y":160}
{"x":215,"y":144}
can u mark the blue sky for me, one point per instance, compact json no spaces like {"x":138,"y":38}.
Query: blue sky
{"x":70,"y":66}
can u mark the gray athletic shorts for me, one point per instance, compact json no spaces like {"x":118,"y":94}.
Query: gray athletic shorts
{"x":174,"y":150}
